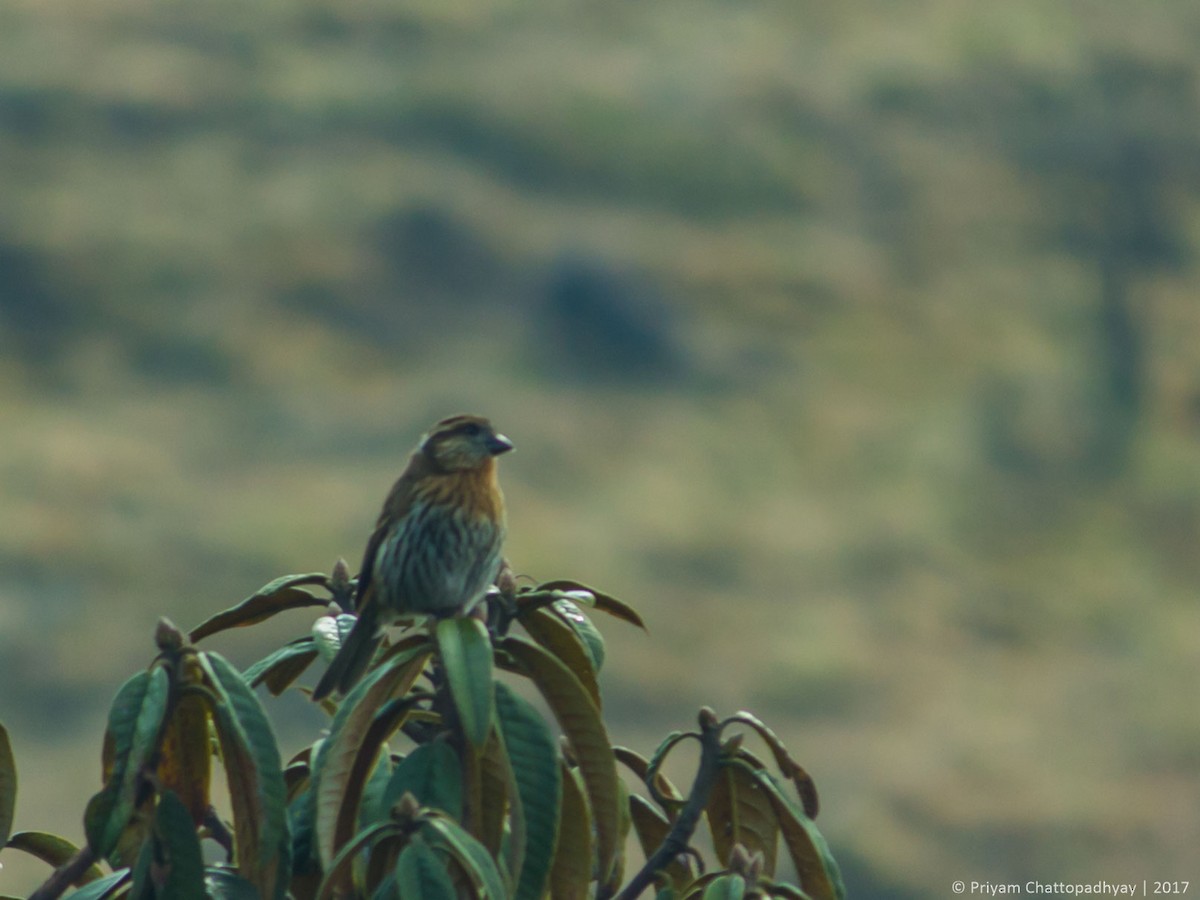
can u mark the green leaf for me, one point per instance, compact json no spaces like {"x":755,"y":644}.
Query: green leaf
{"x":179,"y":868}
{"x":500,"y":823}
{"x":575,"y":617}
{"x":282,"y":667}
{"x":432,"y":774}
{"x":101,"y":888}
{"x":224,"y":883}
{"x":739,"y":811}
{"x":726,"y":887}
{"x":257,"y":790}
{"x":534,"y":757}
{"x":471,"y":854}
{"x":371,"y":807}
{"x":571,"y":872}
{"x":601,"y":601}
{"x":580,"y":720}
{"x":787,"y":764}
{"x":51,"y":849}
{"x":8,"y":787}
{"x":328,"y":633}
{"x":816,"y":868}
{"x":337,"y":880}
{"x":281,"y":594}
{"x":302,"y":811}
{"x":465,"y":651}
{"x":134,"y":724}
{"x":421,"y":873}
{"x":554,"y":634}
{"x":347,"y":755}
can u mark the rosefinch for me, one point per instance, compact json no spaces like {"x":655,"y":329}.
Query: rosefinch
{"x":436,"y":546}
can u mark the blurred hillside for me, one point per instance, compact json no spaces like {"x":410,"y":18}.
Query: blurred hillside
{"x":855,"y":345}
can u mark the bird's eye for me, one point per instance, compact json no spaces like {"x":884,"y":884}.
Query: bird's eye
{"x":471,"y":430}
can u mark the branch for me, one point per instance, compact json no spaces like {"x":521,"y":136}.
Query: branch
{"x":66,"y":875}
{"x":680,"y":836}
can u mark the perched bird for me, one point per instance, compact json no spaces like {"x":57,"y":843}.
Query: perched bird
{"x":437,"y":544}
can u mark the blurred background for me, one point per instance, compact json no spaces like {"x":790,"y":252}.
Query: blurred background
{"x":854,"y":344}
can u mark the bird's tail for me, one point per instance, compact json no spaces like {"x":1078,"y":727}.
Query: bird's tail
{"x":352,"y":659}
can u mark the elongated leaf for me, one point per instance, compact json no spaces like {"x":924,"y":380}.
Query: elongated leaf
{"x":185,"y":766}
{"x":791,"y":769}
{"x":344,"y":759}
{"x":282,"y":667}
{"x":604,"y":602}
{"x":8,"y":786}
{"x":816,"y":869}
{"x":256,"y":786}
{"x":490,"y":773}
{"x":431,"y":774}
{"x":583,"y":726}
{"x":726,"y":887}
{"x":302,"y":811}
{"x":555,"y":635}
{"x":338,"y":872}
{"x":52,"y":850}
{"x":640,"y":766}
{"x":101,"y":888}
{"x":577,"y":620}
{"x":652,"y":829}
{"x":281,"y":594}
{"x":178,"y":866}
{"x":371,"y":807}
{"x":471,"y":855}
{"x":740,"y":812}
{"x":533,"y":755}
{"x":134,"y":724}
{"x":571,"y":872}
{"x":783,"y":890}
{"x":224,"y":883}
{"x":465,"y":651}
{"x":379,"y":875}
{"x":421,"y":873}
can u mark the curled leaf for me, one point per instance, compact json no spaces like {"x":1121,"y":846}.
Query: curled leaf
{"x":601,"y":601}
{"x":281,"y":594}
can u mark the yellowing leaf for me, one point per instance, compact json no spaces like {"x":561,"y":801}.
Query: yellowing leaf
{"x":740,"y":812}
{"x":571,"y":873}
{"x":580,"y":720}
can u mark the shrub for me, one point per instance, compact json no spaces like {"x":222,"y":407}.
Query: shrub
{"x":437,"y":777}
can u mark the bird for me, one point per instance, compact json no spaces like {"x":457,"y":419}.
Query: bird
{"x":437,"y":544}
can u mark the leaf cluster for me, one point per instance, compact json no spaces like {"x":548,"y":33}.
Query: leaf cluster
{"x":438,"y":776}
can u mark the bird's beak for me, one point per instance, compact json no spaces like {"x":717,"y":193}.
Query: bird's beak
{"x":498,"y":444}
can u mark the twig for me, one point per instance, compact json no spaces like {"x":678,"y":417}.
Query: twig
{"x":218,"y":832}
{"x":64,"y":876}
{"x":677,"y":840}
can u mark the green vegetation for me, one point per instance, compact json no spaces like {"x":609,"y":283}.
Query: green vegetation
{"x":483,"y":802}
{"x":905,"y":459}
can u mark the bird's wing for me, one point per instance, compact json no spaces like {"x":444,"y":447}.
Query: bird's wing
{"x":395,"y":508}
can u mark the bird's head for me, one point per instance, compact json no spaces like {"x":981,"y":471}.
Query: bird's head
{"x":463,"y":442}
